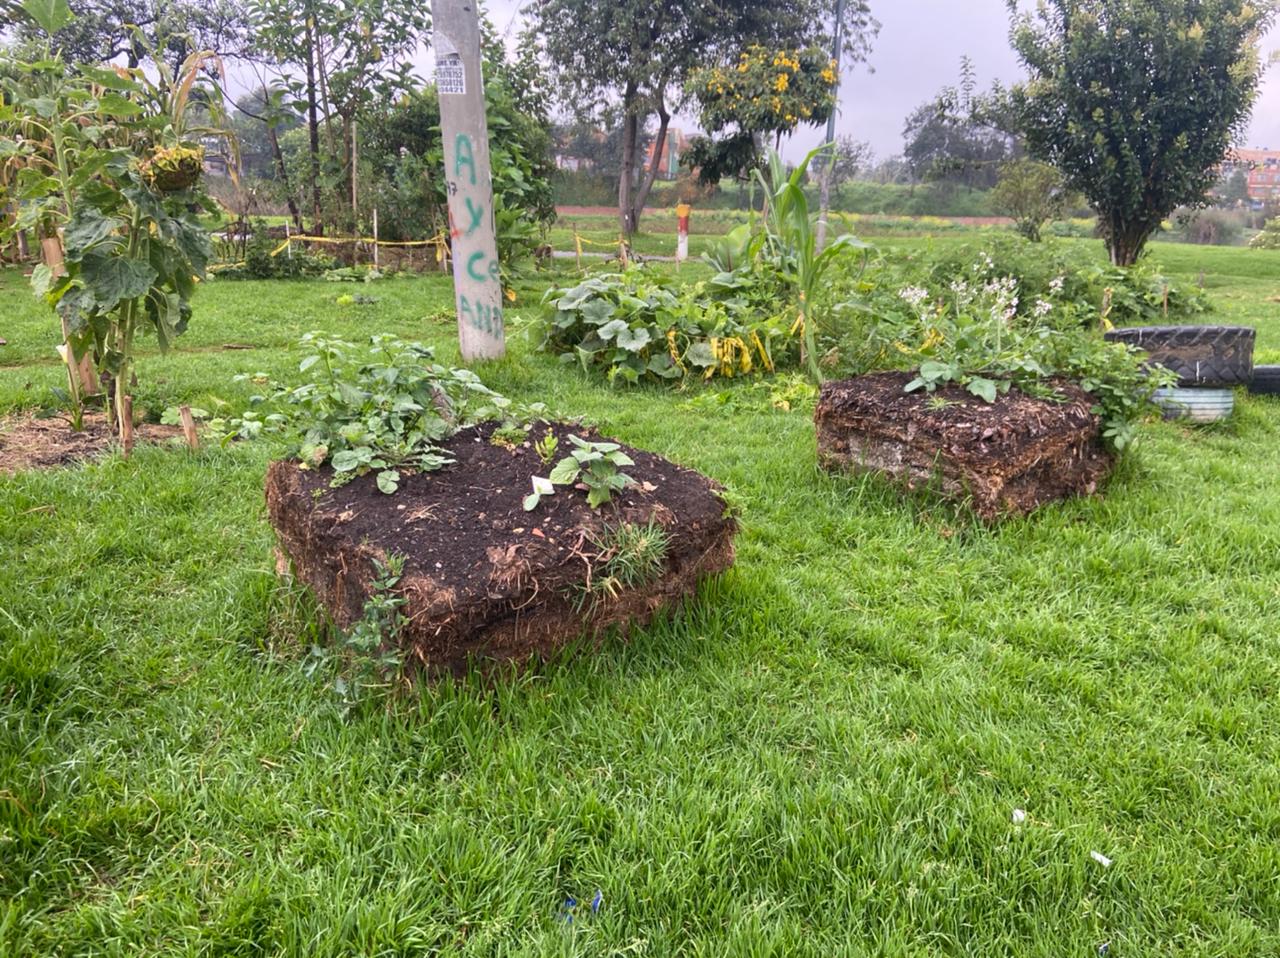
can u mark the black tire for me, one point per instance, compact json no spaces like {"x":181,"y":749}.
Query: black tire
{"x":1266,"y":381}
{"x":1198,"y":355}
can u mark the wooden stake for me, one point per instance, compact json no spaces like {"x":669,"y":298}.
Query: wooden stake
{"x":375,"y":239}
{"x":189,"y":426}
{"x":51,"y":248}
{"x":126,"y":426}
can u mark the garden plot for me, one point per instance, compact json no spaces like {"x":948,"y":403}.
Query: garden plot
{"x":1005,"y":457}
{"x":485,"y":579}
{"x":31,"y":442}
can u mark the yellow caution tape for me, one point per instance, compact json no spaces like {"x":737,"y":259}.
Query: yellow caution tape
{"x":582,"y":239}
{"x":437,"y":241}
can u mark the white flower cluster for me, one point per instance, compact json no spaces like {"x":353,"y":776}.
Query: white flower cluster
{"x":1004,"y":293}
{"x":914,"y":295}
{"x":1055,"y":286}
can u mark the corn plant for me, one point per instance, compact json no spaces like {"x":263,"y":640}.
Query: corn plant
{"x":792,"y":239}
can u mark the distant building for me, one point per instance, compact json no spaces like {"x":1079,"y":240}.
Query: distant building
{"x":1261,"y":167}
{"x":676,"y":143}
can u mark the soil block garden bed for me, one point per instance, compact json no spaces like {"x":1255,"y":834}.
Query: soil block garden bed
{"x":1004,"y":458}
{"x":483,"y":579}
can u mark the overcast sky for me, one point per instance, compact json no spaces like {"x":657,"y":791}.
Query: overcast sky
{"x":918,"y":52}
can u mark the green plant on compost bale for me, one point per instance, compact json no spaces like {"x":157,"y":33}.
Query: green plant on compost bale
{"x":974,"y":337}
{"x":386,"y":411}
{"x":596,"y":465}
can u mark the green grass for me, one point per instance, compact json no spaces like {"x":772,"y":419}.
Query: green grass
{"x":821,"y":756}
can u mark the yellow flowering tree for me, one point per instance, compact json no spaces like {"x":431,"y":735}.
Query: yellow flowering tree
{"x":765,"y":92}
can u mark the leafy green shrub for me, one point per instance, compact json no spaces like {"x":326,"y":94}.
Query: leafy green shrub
{"x":353,"y":274}
{"x":387,"y":411}
{"x":639,"y":325}
{"x":1269,"y":238}
{"x":1077,"y":281}
{"x":1210,"y":227}
{"x":259,"y":263}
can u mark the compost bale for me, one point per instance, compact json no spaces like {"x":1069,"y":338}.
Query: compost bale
{"x":1005,"y":458}
{"x":483,"y":579}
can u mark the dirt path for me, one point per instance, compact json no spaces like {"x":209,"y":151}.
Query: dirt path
{"x":657,"y":211}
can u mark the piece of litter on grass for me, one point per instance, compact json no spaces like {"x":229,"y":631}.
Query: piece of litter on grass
{"x":570,"y":904}
{"x":1103,"y":949}
{"x":1019,"y":816}
{"x":1101,"y":859}
{"x":597,"y":901}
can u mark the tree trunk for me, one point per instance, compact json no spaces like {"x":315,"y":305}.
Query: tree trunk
{"x":313,"y":125}
{"x":294,"y":213}
{"x":1125,"y":242}
{"x":659,"y":148}
{"x":626,"y":177}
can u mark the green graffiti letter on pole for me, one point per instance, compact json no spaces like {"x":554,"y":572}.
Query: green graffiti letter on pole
{"x":471,"y":266}
{"x":476,"y":213}
{"x":463,"y":156}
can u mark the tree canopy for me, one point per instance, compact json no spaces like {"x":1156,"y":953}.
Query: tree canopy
{"x":1136,"y":102}
{"x":637,"y":52}
{"x":767,"y":92}
{"x":103,"y":30}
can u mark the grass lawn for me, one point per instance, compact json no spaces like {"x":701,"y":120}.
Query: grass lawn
{"x":822,"y":756}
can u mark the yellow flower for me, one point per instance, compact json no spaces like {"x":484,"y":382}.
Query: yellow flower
{"x":829,"y":75}
{"x":781,"y":82}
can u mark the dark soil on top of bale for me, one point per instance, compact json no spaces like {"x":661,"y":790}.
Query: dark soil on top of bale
{"x":485,"y":581}
{"x":1003,"y":458}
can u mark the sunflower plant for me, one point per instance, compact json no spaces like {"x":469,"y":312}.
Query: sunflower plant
{"x":110,"y":170}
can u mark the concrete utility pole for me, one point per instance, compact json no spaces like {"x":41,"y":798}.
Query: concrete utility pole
{"x":824,"y":193}
{"x":477,"y":287}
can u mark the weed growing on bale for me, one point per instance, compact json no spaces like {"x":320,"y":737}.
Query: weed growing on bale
{"x":628,"y":556}
{"x":366,"y":656}
{"x":546,"y":448}
{"x":509,"y":435}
